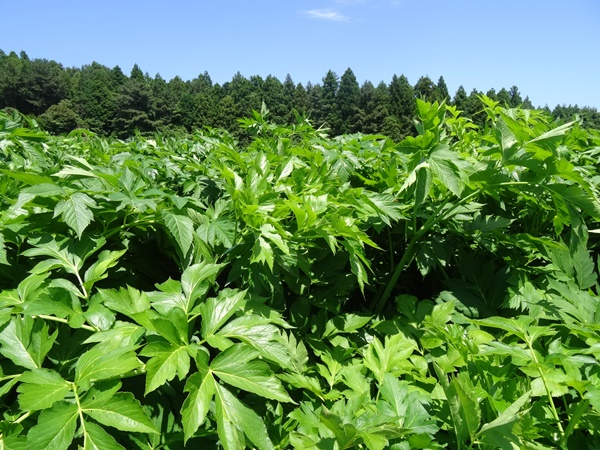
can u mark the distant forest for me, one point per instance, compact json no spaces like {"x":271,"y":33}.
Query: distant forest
{"x":109,"y":102}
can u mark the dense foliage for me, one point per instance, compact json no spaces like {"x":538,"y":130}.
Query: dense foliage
{"x":302,"y":291}
{"x":108,"y":102}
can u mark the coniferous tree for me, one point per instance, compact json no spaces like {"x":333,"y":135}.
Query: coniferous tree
{"x":274,"y":97}
{"x":504,"y":98}
{"x":347,"y":100}
{"x":515,"y":97}
{"x":460,"y":98}
{"x":426,"y":90}
{"x":442,"y":90}
{"x":328,"y":105}
{"x":95,"y":94}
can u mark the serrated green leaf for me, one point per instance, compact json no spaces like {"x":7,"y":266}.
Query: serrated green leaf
{"x":196,"y":280}
{"x":96,"y":438}
{"x":75,"y":211}
{"x":122,"y":334}
{"x":121,"y":411}
{"x":181,"y":229}
{"x":216,"y":311}
{"x":237,"y":367}
{"x":55,"y":428}
{"x":40,"y":389}
{"x":201,"y":390}
{"x":167,"y":361}
{"x":99,"y":364}
{"x":232,"y":417}
{"x":128,"y":301}
{"x":25,"y":341}
{"x":97,"y":271}
{"x":257,"y":332}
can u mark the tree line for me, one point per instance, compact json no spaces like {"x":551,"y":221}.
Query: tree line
{"x":109,"y":102}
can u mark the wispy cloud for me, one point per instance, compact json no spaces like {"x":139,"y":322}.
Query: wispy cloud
{"x":350,"y":2}
{"x":327,"y":14}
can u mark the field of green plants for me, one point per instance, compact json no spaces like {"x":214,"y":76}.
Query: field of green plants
{"x":299,"y":291}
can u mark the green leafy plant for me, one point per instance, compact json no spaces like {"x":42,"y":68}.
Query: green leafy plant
{"x":301,"y":291}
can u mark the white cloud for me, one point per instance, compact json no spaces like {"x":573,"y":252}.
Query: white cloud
{"x":327,"y":14}
{"x":350,"y":2}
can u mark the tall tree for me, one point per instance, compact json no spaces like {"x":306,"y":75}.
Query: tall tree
{"x":372,"y":107}
{"x":442,"y":90}
{"x":425,"y":89}
{"x":95,"y":94}
{"x":460,"y":98}
{"x":328,"y":105}
{"x":515,"y":97}
{"x":347,"y":101}
{"x":134,"y":108}
{"x":274,"y":97}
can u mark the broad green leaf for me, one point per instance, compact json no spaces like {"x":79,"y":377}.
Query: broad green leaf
{"x":96,"y":438}
{"x":121,"y":411}
{"x":232,"y":417}
{"x":97,"y":271}
{"x":40,"y":389}
{"x":464,"y":407}
{"x":99,"y":364}
{"x":55,"y":428}
{"x":25,"y":341}
{"x":406,"y":404}
{"x":75,"y":211}
{"x":167,"y":361}
{"x":26,"y":177}
{"x":201,"y":390}
{"x":237,"y":366}
{"x":345,"y":433}
{"x":443,"y":167}
{"x":216,"y":311}
{"x":257,"y":332}
{"x":262,"y":252}
{"x":181,"y":229}
{"x":389,"y":356}
{"x":128,"y":301}
{"x":122,"y":334}
{"x":196,"y":280}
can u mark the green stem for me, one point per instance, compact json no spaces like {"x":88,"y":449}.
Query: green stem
{"x":581,"y":408}
{"x":435,"y":218}
{"x":80,"y":411}
{"x":548,"y":392}
{"x":58,"y":319}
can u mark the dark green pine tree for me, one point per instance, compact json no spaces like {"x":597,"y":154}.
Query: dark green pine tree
{"x":491,"y":93}
{"x":372,"y":107}
{"x":515,"y":97}
{"x":134,"y":106}
{"x":289,"y":91}
{"x":442,"y":91}
{"x":95,"y":93}
{"x":43,"y":83}
{"x":399,"y":123}
{"x":425,"y":89}
{"x":504,"y":98}
{"x":460,"y":99}
{"x":328,"y":105}
{"x":474,"y":108}
{"x":300,"y":102}
{"x":10,"y":80}
{"x":274,"y":97}
{"x":347,"y":100}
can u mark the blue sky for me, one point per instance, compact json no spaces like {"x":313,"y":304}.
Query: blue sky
{"x":549,"y":49}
